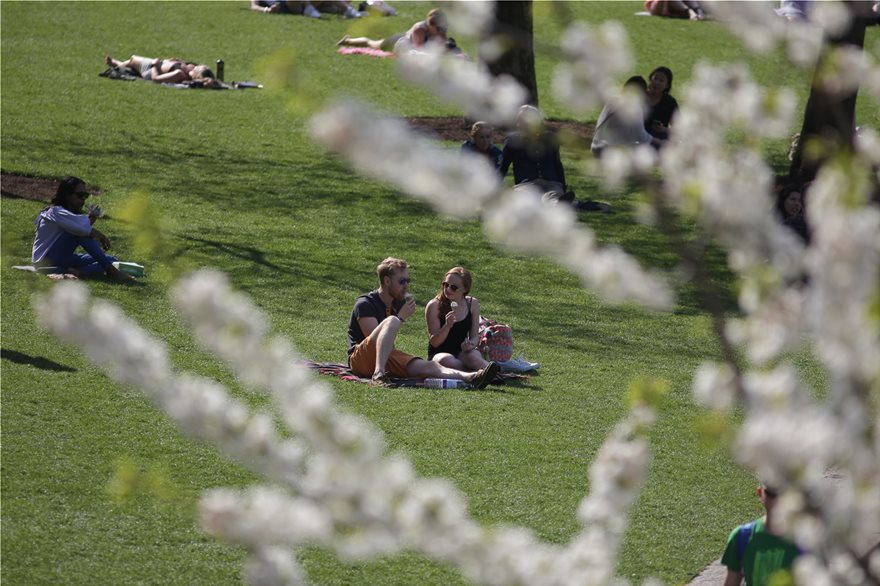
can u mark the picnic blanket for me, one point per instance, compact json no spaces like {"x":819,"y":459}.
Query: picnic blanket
{"x":343,"y":372}
{"x":378,"y":53}
{"x":129,"y":74}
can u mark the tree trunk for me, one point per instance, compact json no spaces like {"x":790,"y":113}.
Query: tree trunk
{"x":513,"y":29}
{"x":829,"y":118}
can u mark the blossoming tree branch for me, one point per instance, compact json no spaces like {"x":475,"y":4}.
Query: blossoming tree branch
{"x":329,"y":479}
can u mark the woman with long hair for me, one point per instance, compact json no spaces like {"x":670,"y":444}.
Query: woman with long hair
{"x":453,"y":318}
{"x":661,"y":105}
{"x":62,"y":227}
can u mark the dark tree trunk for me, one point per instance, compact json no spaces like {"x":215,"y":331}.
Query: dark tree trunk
{"x":829,"y":118}
{"x":513,"y":29}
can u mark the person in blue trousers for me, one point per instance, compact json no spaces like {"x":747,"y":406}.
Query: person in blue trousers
{"x":62,"y":228}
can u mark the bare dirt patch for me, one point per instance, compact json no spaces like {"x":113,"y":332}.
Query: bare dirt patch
{"x":449,"y":128}
{"x":35,"y":188}
{"x":21,"y":186}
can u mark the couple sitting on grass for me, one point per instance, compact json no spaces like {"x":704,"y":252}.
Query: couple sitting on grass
{"x":453,"y":319}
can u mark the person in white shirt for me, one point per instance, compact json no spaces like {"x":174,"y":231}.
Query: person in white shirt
{"x":614,"y":129}
{"x":62,"y":227}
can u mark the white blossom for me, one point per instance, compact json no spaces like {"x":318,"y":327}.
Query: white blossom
{"x":470,"y":19}
{"x":594,"y":60}
{"x":521,"y":221}
{"x":713,"y":386}
{"x":386,"y":149}
{"x":464,"y":83}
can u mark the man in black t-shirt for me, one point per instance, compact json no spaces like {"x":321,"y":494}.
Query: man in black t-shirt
{"x":373,"y":327}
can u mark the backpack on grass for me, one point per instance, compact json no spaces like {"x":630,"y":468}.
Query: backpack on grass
{"x":496,"y":340}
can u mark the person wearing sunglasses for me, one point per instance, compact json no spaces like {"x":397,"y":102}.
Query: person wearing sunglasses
{"x":453,"y":318}
{"x":756,"y":551}
{"x":62,"y":227}
{"x":372,"y":331}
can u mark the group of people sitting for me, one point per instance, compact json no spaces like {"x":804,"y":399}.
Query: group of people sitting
{"x":453,"y":319}
{"x":532,"y":149}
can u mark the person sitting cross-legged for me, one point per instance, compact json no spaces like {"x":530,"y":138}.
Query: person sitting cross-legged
{"x":453,"y":319}
{"x":62,"y":227}
{"x":373,"y":327}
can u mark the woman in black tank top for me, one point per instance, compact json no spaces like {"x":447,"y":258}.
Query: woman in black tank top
{"x":453,"y":319}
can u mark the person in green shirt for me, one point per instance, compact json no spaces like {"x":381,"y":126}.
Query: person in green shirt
{"x":755,"y":551}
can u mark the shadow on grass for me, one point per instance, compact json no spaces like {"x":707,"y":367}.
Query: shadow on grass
{"x":35,"y":361}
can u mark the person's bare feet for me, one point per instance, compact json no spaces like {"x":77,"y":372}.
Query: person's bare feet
{"x":109,"y":60}
{"x":343,"y":41}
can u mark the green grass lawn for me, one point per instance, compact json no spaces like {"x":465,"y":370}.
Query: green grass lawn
{"x":231,"y":180}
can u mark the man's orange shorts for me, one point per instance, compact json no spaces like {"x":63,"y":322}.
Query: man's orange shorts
{"x":363,"y":360}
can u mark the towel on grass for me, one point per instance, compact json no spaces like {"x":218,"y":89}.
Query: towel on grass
{"x":129,"y":74}
{"x":378,"y":53}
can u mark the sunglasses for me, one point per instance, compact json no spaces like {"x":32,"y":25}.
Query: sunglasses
{"x":405,"y":281}
{"x":450,"y":286}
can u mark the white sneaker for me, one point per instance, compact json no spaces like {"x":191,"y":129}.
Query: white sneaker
{"x":311,"y":11}
{"x":352,"y":13}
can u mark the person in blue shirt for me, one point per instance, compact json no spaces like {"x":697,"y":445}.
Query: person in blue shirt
{"x":480,"y":143}
{"x":62,"y":227}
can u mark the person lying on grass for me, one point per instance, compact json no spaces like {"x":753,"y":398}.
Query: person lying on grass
{"x":166,"y":70}
{"x":432,"y":29}
{"x":453,"y":318}
{"x":373,"y":327}
{"x":62,"y":227}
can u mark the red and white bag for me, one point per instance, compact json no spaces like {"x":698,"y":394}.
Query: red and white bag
{"x":496,"y":340}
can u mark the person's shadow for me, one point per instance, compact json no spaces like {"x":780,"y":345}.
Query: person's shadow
{"x":35,"y":361}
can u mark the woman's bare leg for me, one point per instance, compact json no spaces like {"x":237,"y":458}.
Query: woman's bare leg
{"x":472,"y":360}
{"x":133,"y":62}
{"x":448,"y":360}
{"x":348,"y":41}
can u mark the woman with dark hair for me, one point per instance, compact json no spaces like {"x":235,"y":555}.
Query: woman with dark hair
{"x":166,"y":70}
{"x":62,"y":227}
{"x":453,"y":318}
{"x":790,"y":208}
{"x":661,"y":105}
{"x":480,"y":143}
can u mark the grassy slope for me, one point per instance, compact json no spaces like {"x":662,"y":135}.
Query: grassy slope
{"x":234,"y":183}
